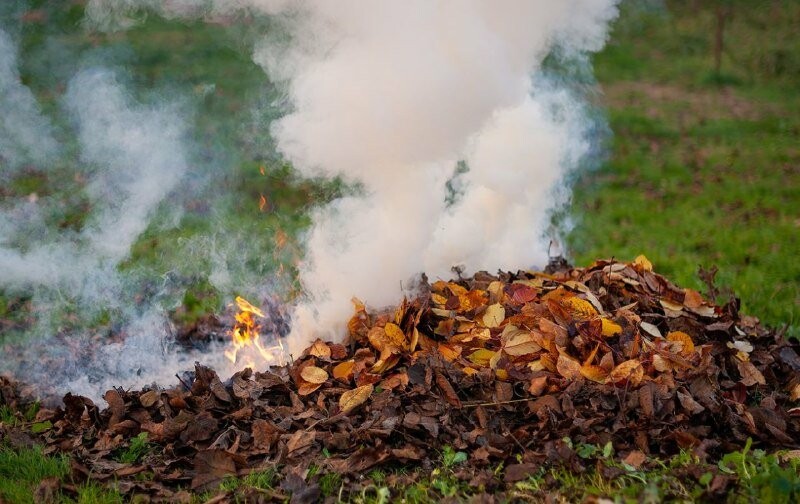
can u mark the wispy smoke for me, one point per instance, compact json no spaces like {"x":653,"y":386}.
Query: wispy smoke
{"x":25,"y":135}
{"x":132,"y":157}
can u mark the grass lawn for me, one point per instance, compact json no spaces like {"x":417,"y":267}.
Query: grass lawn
{"x":703,"y":169}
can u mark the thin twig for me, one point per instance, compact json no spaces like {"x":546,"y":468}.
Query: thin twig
{"x":188,"y":388}
{"x":471,"y":405}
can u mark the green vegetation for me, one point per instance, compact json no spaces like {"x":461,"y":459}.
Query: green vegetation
{"x":136,"y":451}
{"x":701,"y":174}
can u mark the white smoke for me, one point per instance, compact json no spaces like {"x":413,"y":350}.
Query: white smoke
{"x":25,"y":135}
{"x":392,"y":94}
{"x":133,"y":156}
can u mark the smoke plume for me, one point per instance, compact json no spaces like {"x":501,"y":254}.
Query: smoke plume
{"x":392,"y":96}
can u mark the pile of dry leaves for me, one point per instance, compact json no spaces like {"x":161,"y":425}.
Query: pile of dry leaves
{"x":500,"y":367}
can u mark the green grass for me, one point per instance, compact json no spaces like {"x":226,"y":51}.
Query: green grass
{"x":701,"y":174}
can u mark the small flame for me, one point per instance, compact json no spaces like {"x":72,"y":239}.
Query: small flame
{"x":246,"y":337}
{"x":262,"y":202}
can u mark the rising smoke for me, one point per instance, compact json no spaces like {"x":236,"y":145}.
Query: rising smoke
{"x":391,"y":96}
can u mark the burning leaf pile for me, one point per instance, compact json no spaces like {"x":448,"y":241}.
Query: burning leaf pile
{"x":503,"y":368}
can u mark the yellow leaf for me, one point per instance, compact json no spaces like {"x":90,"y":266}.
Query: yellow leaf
{"x":684,"y":342}
{"x":630,"y":370}
{"x":383,"y":342}
{"x":456,"y":289}
{"x":471,"y":300}
{"x":610,"y":328}
{"x":469,"y":371}
{"x":352,"y":399}
{"x":536,"y":365}
{"x":344,"y":370}
{"x":449,"y":352}
{"x":313,"y":374}
{"x":568,"y":367}
{"x":594,"y":373}
{"x":395,"y":335}
{"x":481,"y":357}
{"x":494,"y":315}
{"x":495,"y":290}
{"x":580,"y":309}
{"x":642,"y":263}
{"x":548,"y":362}
{"x":438,"y":299}
{"x":414,"y":340}
{"x":501,"y":374}
{"x":385,"y":363}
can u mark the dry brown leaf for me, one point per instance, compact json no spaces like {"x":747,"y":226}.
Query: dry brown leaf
{"x":494,"y":315}
{"x":568,"y":367}
{"x":352,"y":399}
{"x":750,"y":375}
{"x":320,"y":349}
{"x":635,"y":459}
{"x":538,"y":385}
{"x":518,"y":342}
{"x":650,"y":329}
{"x":314,"y":374}
{"x":306,"y":388}
{"x":692,"y":299}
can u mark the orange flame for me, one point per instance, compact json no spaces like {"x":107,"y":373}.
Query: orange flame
{"x":245,"y":336}
{"x":262,"y":202}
